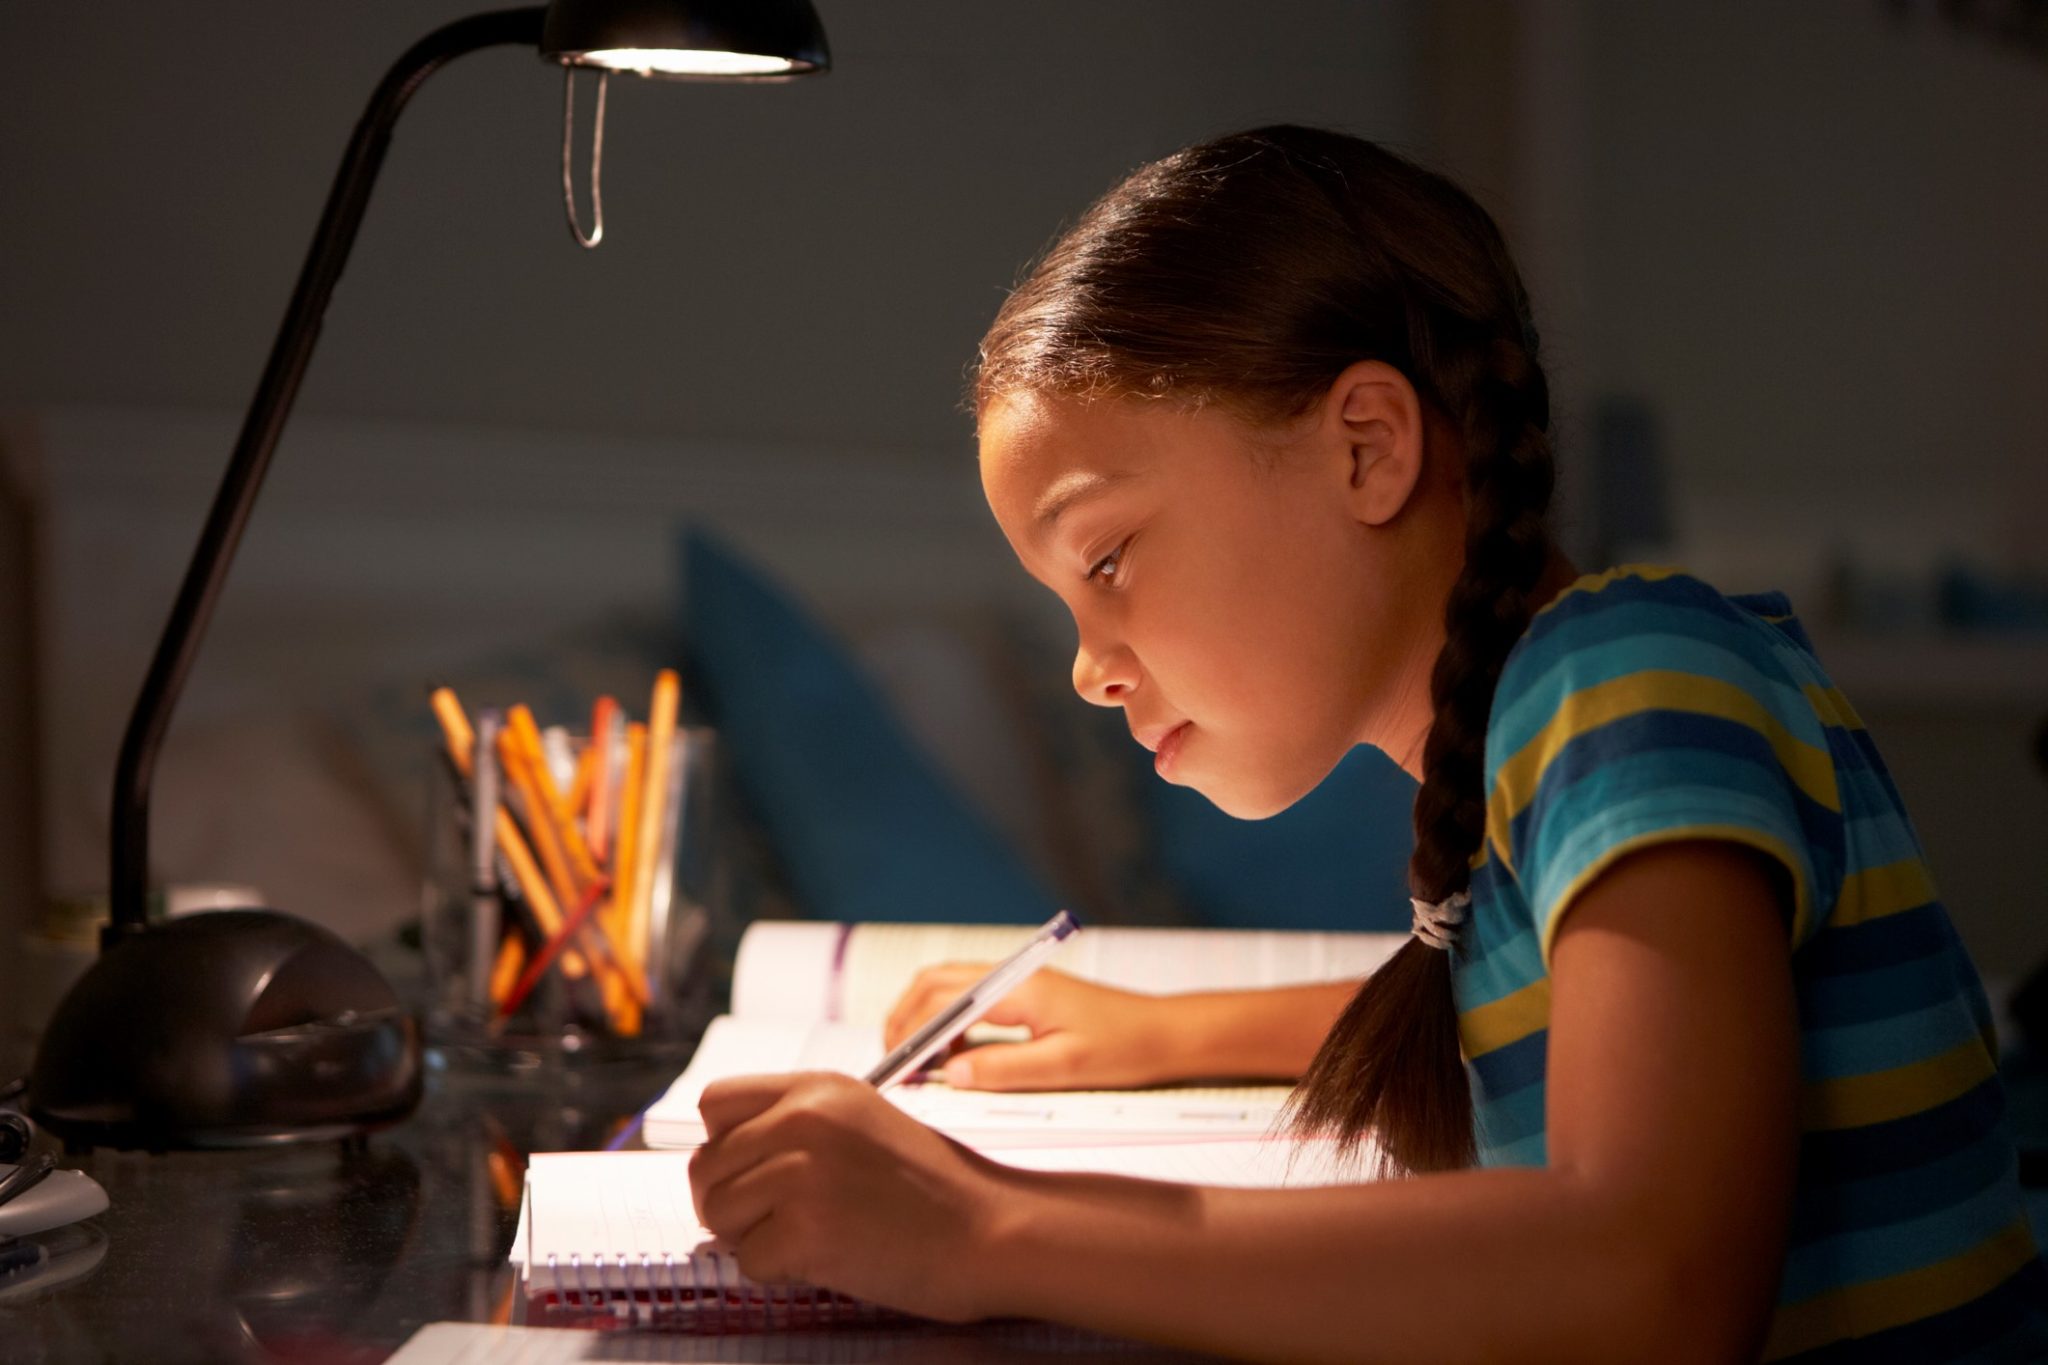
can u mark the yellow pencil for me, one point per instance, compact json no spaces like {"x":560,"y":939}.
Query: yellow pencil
{"x":661,"y":737}
{"x":620,"y":907}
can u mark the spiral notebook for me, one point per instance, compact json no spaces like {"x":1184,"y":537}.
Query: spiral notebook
{"x":610,"y":1239}
{"x":812,"y":996}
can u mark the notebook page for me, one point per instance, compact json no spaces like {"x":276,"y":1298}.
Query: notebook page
{"x":915,"y":1343}
{"x":598,"y":1213}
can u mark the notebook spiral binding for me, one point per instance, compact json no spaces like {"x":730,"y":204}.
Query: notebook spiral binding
{"x":705,"y":1293}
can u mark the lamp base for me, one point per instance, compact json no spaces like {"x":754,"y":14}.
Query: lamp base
{"x":234,"y":1028}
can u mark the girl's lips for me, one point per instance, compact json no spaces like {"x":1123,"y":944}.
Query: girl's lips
{"x":1169,"y":749}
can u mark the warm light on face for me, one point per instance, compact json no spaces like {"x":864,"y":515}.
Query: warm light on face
{"x":687,"y":62}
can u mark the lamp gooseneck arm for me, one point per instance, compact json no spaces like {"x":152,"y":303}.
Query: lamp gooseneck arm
{"x":289,"y":356}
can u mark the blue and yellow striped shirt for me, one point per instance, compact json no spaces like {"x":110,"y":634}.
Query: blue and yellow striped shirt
{"x":1644,"y":706}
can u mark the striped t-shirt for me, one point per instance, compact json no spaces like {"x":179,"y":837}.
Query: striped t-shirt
{"x":1642,"y":706}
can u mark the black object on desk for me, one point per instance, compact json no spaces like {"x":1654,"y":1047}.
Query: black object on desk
{"x":16,"y":1133}
{"x":230,"y":1029}
{"x":249,"y":1027}
{"x":26,"y":1176}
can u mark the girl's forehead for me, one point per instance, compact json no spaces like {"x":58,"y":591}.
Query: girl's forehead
{"x":1036,"y":438}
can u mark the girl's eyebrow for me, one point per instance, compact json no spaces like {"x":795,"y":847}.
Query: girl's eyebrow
{"x":1072,"y":488}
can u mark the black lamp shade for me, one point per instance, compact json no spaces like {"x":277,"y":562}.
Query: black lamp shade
{"x":682,"y":38}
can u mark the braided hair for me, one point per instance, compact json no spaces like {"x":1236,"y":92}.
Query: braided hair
{"x":1249,"y":272}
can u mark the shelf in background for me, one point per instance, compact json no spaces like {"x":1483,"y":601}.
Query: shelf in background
{"x":1941,"y":671}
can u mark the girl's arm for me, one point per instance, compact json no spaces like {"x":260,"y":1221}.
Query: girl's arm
{"x":1089,"y":1036}
{"x":1655,"y":1233}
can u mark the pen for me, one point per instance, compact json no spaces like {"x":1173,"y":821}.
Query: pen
{"x":954,"y":1020}
{"x":484,"y":914}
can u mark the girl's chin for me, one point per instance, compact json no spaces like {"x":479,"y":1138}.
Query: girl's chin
{"x":1253,"y":795}
{"x":1241,"y":800}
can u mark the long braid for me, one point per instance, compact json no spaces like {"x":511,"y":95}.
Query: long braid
{"x":1392,"y":1066}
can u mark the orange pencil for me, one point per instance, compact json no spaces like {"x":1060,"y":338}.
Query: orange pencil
{"x":553,"y":807}
{"x":505,"y":971}
{"x":567,"y":890}
{"x":597,"y":824}
{"x":519,"y":777}
{"x":579,"y":787}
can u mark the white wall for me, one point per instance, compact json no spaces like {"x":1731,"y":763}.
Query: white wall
{"x":793,"y":280}
{"x":388,"y":556}
{"x":809,"y":263}
{"x":1814,"y":244}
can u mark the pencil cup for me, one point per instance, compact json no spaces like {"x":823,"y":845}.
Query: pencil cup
{"x":569,"y":932}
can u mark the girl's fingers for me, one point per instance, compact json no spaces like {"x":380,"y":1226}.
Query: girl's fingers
{"x":732,"y":1206}
{"x":772,"y":1252}
{"x":930,"y":991}
{"x":801,"y":1108}
{"x":735,"y":1099}
{"x":1025,"y":1005}
{"x":1049,"y":1063}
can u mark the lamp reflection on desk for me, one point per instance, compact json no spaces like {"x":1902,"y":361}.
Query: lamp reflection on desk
{"x":247,"y":1027}
{"x":276,"y":1256}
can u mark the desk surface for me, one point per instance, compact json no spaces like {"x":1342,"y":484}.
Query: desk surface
{"x":313,"y":1254}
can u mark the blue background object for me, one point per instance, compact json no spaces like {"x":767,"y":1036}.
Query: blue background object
{"x":1336,"y":859}
{"x":866,"y":826}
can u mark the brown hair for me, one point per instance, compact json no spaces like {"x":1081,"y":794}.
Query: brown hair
{"x":1250,"y":271}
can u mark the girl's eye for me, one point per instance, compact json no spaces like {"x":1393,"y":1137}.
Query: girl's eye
{"x":1106,"y":568}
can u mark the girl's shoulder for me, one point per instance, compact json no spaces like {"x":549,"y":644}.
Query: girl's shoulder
{"x":1642,"y":636}
{"x":1655,"y":613}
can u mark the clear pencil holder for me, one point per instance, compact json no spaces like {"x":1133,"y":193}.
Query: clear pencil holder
{"x":543,"y":963}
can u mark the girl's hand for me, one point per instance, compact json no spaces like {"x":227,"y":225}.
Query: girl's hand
{"x":815,"y":1177}
{"x":1083,"y":1036}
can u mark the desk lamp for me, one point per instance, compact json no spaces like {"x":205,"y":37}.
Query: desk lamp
{"x":244,"y":1027}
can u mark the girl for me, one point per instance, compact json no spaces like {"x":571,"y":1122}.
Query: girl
{"x":1270,"y":421}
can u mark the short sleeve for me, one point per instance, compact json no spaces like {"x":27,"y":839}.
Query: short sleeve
{"x":1648,"y":717}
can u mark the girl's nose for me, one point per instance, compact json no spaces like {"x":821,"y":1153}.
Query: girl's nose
{"x":1105,"y":677}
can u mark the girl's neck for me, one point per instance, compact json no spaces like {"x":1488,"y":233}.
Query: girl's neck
{"x":1406,"y":744}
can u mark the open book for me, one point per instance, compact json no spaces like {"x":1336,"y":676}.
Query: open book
{"x":813,"y":996}
{"x":610,"y":1239}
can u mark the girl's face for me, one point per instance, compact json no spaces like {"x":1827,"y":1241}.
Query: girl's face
{"x":1256,"y":600}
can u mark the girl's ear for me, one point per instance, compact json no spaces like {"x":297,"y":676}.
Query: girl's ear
{"x":1374,"y":412}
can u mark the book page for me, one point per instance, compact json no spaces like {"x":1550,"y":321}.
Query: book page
{"x":989,"y":1119}
{"x":881,"y":959}
{"x":734,"y":1046}
{"x":786,"y":969}
{"x":813,"y":969}
{"x":1249,"y":1163}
